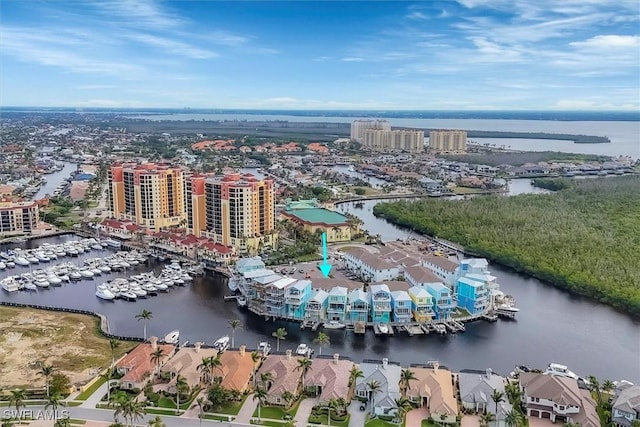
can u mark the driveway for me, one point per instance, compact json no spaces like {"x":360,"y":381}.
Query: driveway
{"x":415,"y":416}
{"x":470,"y":421}
{"x":304,"y":410}
{"x":358,"y":417}
{"x":246,"y":412}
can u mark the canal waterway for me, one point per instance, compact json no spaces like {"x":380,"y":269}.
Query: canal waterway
{"x":551,"y":326}
{"x":55,"y":179}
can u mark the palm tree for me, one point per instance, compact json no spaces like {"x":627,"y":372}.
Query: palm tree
{"x":497,"y":396}
{"x":206,"y":369}
{"x":406,"y":376}
{"x":234,"y":324}
{"x":513,"y":418}
{"x":137,"y":410}
{"x":156,"y":422}
{"x":261,"y":396}
{"x":118,"y":401}
{"x":108,"y":376}
{"x":181,"y":386}
{"x":46,"y":371}
{"x":607,"y":386}
{"x":354,"y":374}
{"x":113,"y":344}
{"x":288,"y":398}
{"x":373,"y":386}
{"x":156,"y":357}
{"x":279,"y":334}
{"x":265,"y":380}
{"x":404,"y":405}
{"x":485,"y":419}
{"x":595,"y":387}
{"x":513,"y":394}
{"x":17,"y":398}
{"x":304,"y":365}
{"x":145,"y":315}
{"x":201,"y":402}
{"x":322,"y":340}
{"x":53,"y":402}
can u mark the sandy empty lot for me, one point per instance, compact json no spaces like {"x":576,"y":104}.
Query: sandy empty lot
{"x":66,"y":341}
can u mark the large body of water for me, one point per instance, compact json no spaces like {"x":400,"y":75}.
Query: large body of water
{"x":624,"y":135}
{"x":551,"y":326}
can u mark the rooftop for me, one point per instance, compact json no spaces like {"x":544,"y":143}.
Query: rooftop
{"x":318,"y":216}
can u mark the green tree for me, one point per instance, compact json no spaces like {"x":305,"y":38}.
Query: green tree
{"x":145,"y":315}
{"x":406,"y":376}
{"x":119,"y":401}
{"x":404,"y":405}
{"x":53,"y":402}
{"x":107,"y":375}
{"x":373,"y":388}
{"x":279,"y":334}
{"x":181,"y":387}
{"x":304,"y":365}
{"x":260,"y":395}
{"x":288,"y":398}
{"x":113,"y":345}
{"x":17,"y":398}
{"x":354,"y":374}
{"x":156,"y":357}
{"x":486,"y":419}
{"x":497,"y":396}
{"x":201,"y":401}
{"x":46,"y":371}
{"x":156,"y":422}
{"x":234,"y":324}
{"x":60,"y":383}
{"x":265,"y":380}
{"x":514,"y":418}
{"x":322,"y":340}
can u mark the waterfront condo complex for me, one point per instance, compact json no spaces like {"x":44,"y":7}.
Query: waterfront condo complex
{"x":448,"y":141}
{"x":233,"y":210}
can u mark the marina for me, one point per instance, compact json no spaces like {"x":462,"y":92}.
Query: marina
{"x":200,"y":313}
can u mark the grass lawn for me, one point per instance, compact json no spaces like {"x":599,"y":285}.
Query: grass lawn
{"x":268,"y":423}
{"x":465,"y":190}
{"x":276,"y":412}
{"x":377,"y":422}
{"x":89,"y":391}
{"x":74,"y":421}
{"x":158,"y":411}
{"x":215,"y":417}
{"x":231,"y":409}
{"x":323,"y":420}
{"x":427,"y":423}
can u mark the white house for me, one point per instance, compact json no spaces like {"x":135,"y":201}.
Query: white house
{"x":626,"y":407}
{"x":370,"y":267}
{"x":442,"y":267}
{"x":382,"y":400}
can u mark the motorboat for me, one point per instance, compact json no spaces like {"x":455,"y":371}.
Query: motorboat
{"x":10,"y":284}
{"x":2,"y":265}
{"x":507,"y":307}
{"x":86,"y":273}
{"x":232,"y":284}
{"x":53,"y":279}
{"x":304,"y":350}
{"x":241,"y":301}
{"x":560,"y":370}
{"x":64,"y":277}
{"x":74,"y":275}
{"x":22,"y":261}
{"x":30,"y":286}
{"x":172,"y":337}
{"x":96,"y":246}
{"x":140,"y":293}
{"x":96,"y":271}
{"x":104,"y":268}
{"x":384,"y":329}
{"x":41,"y":283}
{"x":104,"y":293}
{"x":334,"y":324}
{"x":264,"y":347}
{"x":32,"y":260}
{"x":221,"y":343}
{"x":11,"y":264}
{"x":128,"y":295}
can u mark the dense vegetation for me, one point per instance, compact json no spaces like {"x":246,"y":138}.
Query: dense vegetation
{"x":520,"y":158}
{"x":585,"y":238}
{"x":553,"y":184}
{"x":578,"y":139}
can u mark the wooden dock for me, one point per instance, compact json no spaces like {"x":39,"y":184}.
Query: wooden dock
{"x":506,"y":314}
{"x":413,"y":329}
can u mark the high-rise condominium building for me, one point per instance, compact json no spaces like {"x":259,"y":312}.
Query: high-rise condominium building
{"x":358,"y":128}
{"x":394,"y":140}
{"x":150,"y":194}
{"x":235,"y":210}
{"x":18,"y":217}
{"x":448,"y":141}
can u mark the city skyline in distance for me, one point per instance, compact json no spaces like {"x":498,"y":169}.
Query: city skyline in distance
{"x":436,"y":55}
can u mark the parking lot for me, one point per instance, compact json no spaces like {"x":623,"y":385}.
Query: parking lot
{"x":310,"y":270}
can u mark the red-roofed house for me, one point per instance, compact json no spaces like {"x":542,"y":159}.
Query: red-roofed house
{"x":138,"y":366}
{"x":121,"y":229}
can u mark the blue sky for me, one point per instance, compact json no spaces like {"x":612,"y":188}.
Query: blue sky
{"x":431,"y":55}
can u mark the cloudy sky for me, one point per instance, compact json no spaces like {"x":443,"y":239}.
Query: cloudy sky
{"x":432,"y":55}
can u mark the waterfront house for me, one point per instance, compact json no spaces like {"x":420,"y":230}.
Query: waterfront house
{"x":473,"y":295}
{"x":328,"y":377}
{"x":474,"y":266}
{"x":433,"y":388}
{"x":387,"y":375}
{"x":285,"y":377}
{"x":442,"y":301}
{"x":369,"y":267}
{"x":476,"y":388}
{"x":337,"y":304}
{"x":137,"y":367}
{"x":420,"y":276}
{"x":296,"y":297}
{"x":626,"y":407}
{"x":401,"y":305}
{"x":557,"y":398}
{"x":358,"y":308}
{"x":253,"y":287}
{"x":317,"y":306}
{"x":421,"y":304}
{"x":380,"y":303}
{"x":236,"y":369}
{"x":274,"y":296}
{"x":442,"y":267}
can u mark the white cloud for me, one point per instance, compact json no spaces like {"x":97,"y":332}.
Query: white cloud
{"x":142,"y":13}
{"x":606,"y":42}
{"x":417,"y":16}
{"x":173,"y":46}
{"x":352,"y":59}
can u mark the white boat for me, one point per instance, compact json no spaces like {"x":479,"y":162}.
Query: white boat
{"x":304,"y":350}
{"x":560,"y":370}
{"x":33,"y":260}
{"x":96,"y":246}
{"x":10,"y":284}
{"x":384,"y":329}
{"x":11,"y":264}
{"x":334,"y":324}
{"x":172,"y":337}
{"x":53,"y":279}
{"x":105,"y":294}
{"x":241,"y":301}
{"x":2,"y":265}
{"x":74,"y":275}
{"x":264,"y":347}
{"x":22,"y":261}
{"x":41,"y":283}
{"x":128,"y":295}
{"x":86,"y":273}
{"x":140,"y":293}
{"x":232,"y":283}
{"x":30,"y":286}
{"x":104,"y":268}
{"x":113,"y":243}
{"x":96,"y":271}
{"x":507,"y":307}
{"x":222,"y":343}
